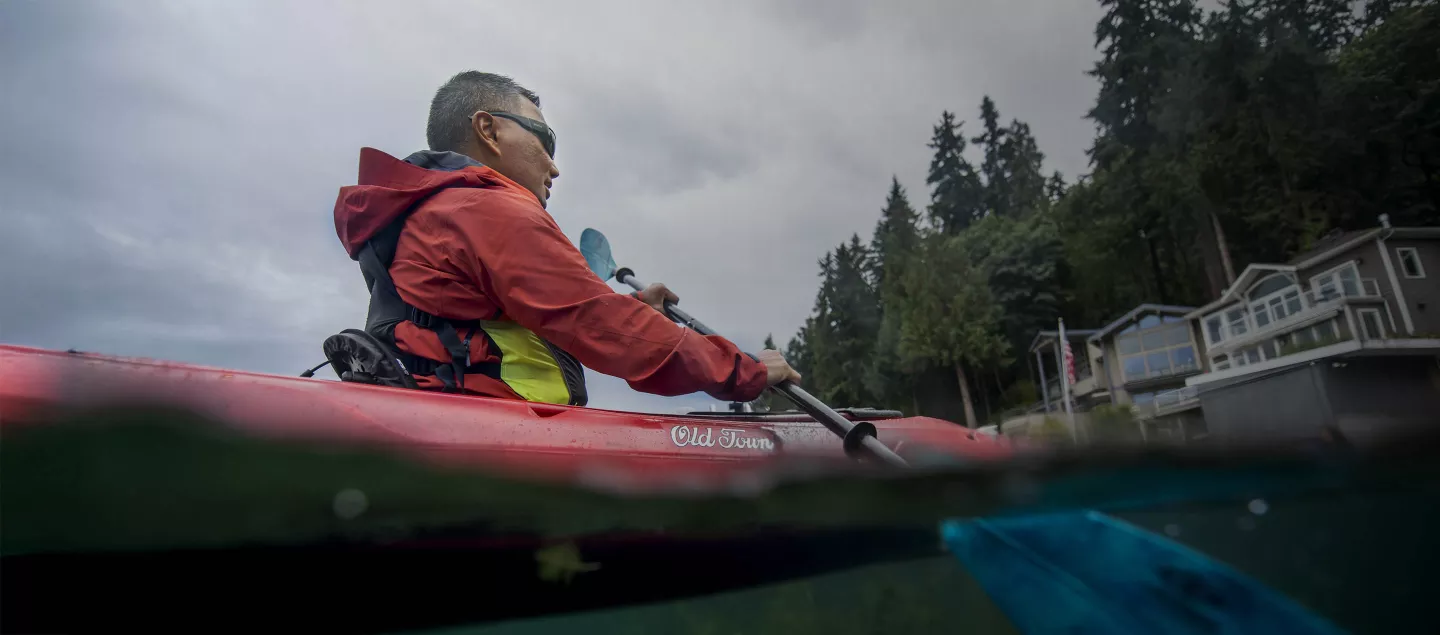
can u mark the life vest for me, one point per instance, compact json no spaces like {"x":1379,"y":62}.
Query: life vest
{"x":531,"y":366}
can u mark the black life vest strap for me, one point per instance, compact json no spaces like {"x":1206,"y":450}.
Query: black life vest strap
{"x":453,"y":374}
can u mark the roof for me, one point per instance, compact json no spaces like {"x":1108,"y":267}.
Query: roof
{"x":1169,"y":309}
{"x":1243,"y":282}
{"x":1070,"y":334}
{"x":1326,"y":249}
{"x":1337,"y":242}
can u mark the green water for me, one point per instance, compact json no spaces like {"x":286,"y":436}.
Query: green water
{"x":1365,"y":564}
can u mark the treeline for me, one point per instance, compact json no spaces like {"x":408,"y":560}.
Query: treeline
{"x":1238,"y":135}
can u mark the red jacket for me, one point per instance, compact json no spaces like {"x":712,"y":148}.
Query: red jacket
{"x":478,"y":245}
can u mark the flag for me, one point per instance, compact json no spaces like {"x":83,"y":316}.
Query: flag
{"x":1069,"y":363}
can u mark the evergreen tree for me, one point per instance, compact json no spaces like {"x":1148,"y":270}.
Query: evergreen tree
{"x":996,"y":144}
{"x":1140,"y":42}
{"x":949,"y":320}
{"x":1023,"y":168}
{"x":896,"y":234}
{"x":1055,"y":188}
{"x":957,"y":195}
{"x":897,"y":237}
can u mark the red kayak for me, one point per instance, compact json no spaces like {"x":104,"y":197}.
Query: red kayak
{"x":598,"y":448}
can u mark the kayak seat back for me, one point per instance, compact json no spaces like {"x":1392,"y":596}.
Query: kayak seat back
{"x":358,"y":356}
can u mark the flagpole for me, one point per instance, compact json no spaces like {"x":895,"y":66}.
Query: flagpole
{"x":1066,"y":355}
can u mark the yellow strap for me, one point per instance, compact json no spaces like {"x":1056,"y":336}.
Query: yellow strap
{"x":526,"y":364}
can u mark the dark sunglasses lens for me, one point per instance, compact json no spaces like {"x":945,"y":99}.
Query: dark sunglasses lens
{"x":547,"y":139}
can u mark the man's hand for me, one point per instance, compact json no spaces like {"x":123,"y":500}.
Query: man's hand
{"x":776,"y":368}
{"x":656,"y":295}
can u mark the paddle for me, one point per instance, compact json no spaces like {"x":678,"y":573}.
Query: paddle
{"x":857,"y":436}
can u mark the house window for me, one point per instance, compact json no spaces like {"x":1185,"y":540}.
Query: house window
{"x":1410,"y":262}
{"x":1331,"y":284}
{"x":1134,"y":368}
{"x":1270,"y":285}
{"x":1184,"y":359}
{"x":1370,"y":324}
{"x":1128,"y":344}
{"x":1157,"y":352}
{"x":1236,"y":318}
{"x":1212,"y":327}
{"x":1262,"y":315}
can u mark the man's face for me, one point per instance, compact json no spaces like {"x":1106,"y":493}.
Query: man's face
{"x":522,"y":157}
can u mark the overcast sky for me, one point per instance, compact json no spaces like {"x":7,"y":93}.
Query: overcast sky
{"x":170,"y":168}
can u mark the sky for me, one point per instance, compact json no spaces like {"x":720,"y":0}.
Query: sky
{"x":170,"y":168}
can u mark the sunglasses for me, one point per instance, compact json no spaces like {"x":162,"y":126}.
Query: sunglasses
{"x":544,"y":133}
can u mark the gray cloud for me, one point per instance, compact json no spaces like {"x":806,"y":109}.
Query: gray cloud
{"x":170,"y":168}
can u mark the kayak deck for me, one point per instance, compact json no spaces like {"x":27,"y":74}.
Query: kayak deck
{"x":604,"y":448}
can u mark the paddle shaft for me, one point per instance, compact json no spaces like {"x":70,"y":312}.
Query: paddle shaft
{"x":856,"y":435}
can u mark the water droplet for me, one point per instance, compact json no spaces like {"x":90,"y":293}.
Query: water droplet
{"x":1258,"y":507}
{"x":1172,"y":530}
{"x":1245,"y":523}
{"x":350,"y":503}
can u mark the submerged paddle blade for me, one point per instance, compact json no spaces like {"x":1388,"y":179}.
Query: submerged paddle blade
{"x":1082,"y":573}
{"x":596,"y":249}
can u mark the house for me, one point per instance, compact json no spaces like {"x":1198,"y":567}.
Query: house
{"x":1345,"y":335}
{"x":1144,"y":359}
{"x":1145,"y":353}
{"x":1083,"y":393}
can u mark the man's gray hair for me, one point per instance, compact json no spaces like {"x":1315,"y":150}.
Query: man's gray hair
{"x":449,"y":125}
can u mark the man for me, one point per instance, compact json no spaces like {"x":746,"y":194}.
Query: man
{"x":477,"y":288}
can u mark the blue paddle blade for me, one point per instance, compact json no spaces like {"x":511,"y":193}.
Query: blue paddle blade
{"x":1082,"y":573}
{"x":596,"y":249}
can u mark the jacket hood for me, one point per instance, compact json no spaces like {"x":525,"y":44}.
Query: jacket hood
{"x":387,"y":188}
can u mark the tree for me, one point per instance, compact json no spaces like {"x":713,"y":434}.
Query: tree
{"x":897,"y":237}
{"x":1055,"y":188}
{"x":995,"y":143}
{"x":1140,"y":42}
{"x":957,"y":195}
{"x":1019,"y":258}
{"x":839,"y":337}
{"x":1024,"y":189}
{"x":950,"y":319}
{"x":1387,"y":97}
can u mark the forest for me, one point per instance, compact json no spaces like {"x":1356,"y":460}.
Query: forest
{"x":1240,"y":134}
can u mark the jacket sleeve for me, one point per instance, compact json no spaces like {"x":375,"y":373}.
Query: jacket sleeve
{"x":523,"y":262}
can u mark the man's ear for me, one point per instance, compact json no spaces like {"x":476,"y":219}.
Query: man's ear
{"x":487,"y":136}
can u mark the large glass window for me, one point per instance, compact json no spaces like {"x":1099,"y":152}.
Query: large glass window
{"x":1158,"y":363}
{"x":1157,"y":352}
{"x":1176,"y":336}
{"x":1184,"y":359}
{"x":1274,"y":299}
{"x":1134,"y":368}
{"x":1270,"y":285}
{"x":1128,"y":344}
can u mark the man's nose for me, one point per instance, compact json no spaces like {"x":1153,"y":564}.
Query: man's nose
{"x":554,"y":170}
